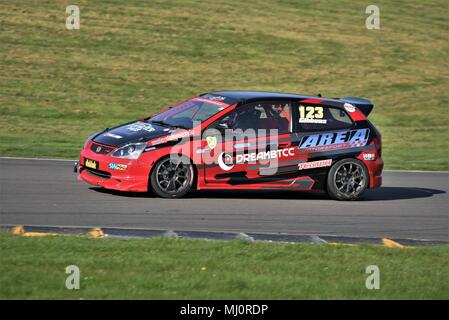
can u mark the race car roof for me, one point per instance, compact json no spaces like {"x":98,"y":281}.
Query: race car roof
{"x":364,"y":105}
{"x":248,"y":96}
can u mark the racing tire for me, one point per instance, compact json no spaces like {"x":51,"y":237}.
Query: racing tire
{"x":172,"y":177}
{"x":347,"y":180}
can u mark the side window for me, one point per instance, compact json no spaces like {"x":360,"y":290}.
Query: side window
{"x":261,"y":115}
{"x":322,"y":118}
{"x":282,"y":111}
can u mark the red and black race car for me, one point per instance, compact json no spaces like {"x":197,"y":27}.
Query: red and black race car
{"x":241,"y":140}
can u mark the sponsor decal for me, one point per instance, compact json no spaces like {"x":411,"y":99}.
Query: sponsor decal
{"x":319,"y":121}
{"x":174,"y":136}
{"x":334,"y":140}
{"x":314,"y":164}
{"x":98,"y":149}
{"x":349,"y":107}
{"x":311,"y":114}
{"x":225,"y":161}
{"x":217,"y":98}
{"x":265,"y":155}
{"x":211,"y":142}
{"x":369,"y":156}
{"x":215,"y":102}
{"x":139,"y":126}
{"x":117,"y":166}
{"x":112,"y":135}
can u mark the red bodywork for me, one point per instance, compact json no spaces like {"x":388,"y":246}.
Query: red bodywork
{"x":136,"y":175}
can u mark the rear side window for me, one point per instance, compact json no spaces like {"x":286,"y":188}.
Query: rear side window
{"x":321,"y":118}
{"x":257,"y":116}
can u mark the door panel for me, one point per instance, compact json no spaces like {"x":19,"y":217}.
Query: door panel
{"x":254,"y":161}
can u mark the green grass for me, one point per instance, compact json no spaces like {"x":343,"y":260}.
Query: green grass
{"x":131,"y":59}
{"x":34,"y":268}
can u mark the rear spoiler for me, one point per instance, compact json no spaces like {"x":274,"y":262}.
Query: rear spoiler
{"x":364,"y":105}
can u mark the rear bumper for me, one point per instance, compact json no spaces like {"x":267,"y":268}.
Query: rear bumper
{"x":375,"y":181}
{"x":375,"y":165}
{"x":375,"y":172}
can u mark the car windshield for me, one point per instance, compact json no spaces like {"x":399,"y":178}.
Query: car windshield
{"x":185,"y":114}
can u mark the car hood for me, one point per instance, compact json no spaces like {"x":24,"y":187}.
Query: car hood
{"x":138,"y":131}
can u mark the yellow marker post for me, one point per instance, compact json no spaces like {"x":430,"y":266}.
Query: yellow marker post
{"x":96,"y":233}
{"x":391,"y":244}
{"x":18,"y":231}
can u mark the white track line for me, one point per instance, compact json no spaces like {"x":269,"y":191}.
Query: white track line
{"x":37,"y":159}
{"x":73,"y":160}
{"x":416,"y":171}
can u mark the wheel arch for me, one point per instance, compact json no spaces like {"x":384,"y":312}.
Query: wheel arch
{"x":343,"y":158}
{"x":163,"y":157}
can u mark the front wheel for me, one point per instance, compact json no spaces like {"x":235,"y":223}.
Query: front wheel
{"x":172,"y":177}
{"x":347,"y":179}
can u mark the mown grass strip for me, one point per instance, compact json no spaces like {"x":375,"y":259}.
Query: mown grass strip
{"x":163,"y":268}
{"x":128,"y":61}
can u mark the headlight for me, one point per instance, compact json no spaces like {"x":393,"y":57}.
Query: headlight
{"x":130,"y":151}
{"x":90,"y":138}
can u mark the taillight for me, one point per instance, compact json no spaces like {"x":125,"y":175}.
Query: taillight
{"x":377,"y":142}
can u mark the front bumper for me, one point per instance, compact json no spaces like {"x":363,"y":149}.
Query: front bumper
{"x":136,"y":185}
{"x":133,"y":178}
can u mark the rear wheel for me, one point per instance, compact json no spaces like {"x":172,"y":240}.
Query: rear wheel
{"x":172,"y":177}
{"x":347,"y":179}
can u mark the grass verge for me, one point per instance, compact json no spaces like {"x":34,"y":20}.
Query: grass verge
{"x":130,"y":60}
{"x":34,"y":268}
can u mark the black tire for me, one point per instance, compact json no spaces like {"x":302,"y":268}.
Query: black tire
{"x":172,"y":177}
{"x":347,"y":179}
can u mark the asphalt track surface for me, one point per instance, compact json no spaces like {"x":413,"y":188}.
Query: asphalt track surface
{"x":410,"y":205}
